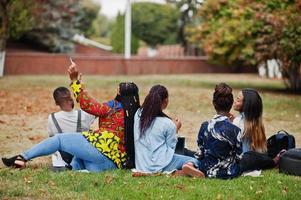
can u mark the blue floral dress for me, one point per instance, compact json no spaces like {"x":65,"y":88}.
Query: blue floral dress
{"x":219,"y":148}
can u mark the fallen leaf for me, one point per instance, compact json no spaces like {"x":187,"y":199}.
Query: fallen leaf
{"x":180,"y":186}
{"x":285,"y":190}
{"x":28,"y":108}
{"x":42,"y":190}
{"x":35,"y":138}
{"x":3,"y":94}
{"x":51,"y":183}
{"x":34,"y":166}
{"x":258,"y":192}
{"x":109,"y":179}
{"x":27,"y":180}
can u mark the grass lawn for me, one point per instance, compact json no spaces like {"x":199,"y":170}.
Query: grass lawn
{"x":26,"y":101}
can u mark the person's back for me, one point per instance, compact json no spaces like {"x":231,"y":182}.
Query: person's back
{"x":219,"y":141}
{"x":66,"y":120}
{"x":221,"y":147}
{"x":157,"y":146}
{"x":92,"y":151}
{"x":155,"y":138}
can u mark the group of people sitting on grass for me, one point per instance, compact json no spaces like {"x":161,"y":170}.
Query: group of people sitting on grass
{"x":144,"y":138}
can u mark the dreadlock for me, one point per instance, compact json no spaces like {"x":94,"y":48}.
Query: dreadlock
{"x":129,"y":99}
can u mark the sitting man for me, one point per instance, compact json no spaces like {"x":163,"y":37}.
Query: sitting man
{"x":64,"y":121}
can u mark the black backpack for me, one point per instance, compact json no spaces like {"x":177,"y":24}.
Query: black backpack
{"x":281,"y":140}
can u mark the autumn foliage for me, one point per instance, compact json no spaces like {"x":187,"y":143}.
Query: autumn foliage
{"x":237,"y":32}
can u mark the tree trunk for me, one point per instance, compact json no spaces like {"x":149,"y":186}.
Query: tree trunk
{"x":294,"y":76}
{"x":2,"y":60}
{"x":4,"y":7}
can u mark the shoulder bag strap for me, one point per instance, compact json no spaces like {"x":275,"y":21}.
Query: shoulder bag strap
{"x":56,"y":123}
{"x":78,"y":127}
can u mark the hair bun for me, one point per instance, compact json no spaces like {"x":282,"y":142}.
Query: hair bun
{"x":223,"y":90}
{"x":223,"y":97}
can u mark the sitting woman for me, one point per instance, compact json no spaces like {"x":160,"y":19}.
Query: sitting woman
{"x":155,"y":138}
{"x":249,"y":104}
{"x":219,"y":141}
{"x":99,"y":150}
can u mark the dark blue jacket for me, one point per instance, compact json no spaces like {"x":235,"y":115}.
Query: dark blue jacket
{"x":219,"y":148}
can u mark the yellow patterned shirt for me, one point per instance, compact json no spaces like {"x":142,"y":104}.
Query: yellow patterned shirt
{"x":109,"y":139}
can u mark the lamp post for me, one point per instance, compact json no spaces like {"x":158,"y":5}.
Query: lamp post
{"x":127,"y":28}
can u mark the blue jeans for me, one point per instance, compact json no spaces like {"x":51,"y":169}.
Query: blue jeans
{"x":178,"y":161}
{"x":85,"y":155}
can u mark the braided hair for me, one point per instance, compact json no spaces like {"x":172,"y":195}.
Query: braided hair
{"x":152,"y":107}
{"x":129,"y":99}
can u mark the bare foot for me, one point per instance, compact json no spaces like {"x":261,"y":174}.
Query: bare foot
{"x":20,"y":162}
{"x":192,"y":171}
{"x":276,"y":159}
{"x":15,"y":161}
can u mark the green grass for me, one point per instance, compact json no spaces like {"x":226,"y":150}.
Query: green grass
{"x":236,"y":81}
{"x":26,"y":101}
{"x":119,"y":184}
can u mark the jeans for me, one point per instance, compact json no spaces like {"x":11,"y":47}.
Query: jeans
{"x":178,"y":161}
{"x":252,"y":160}
{"x":85,"y":155}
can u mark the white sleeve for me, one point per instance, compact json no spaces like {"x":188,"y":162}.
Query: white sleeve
{"x":239,"y":122}
{"x":50,"y":127}
{"x":236,"y":121}
{"x":88,"y":118}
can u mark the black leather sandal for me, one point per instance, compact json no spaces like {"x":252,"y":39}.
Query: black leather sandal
{"x":16,"y":161}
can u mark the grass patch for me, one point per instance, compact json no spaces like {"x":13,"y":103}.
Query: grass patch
{"x":26,"y":101}
{"x":119,"y":184}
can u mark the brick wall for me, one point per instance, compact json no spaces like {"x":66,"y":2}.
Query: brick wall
{"x":44,"y":63}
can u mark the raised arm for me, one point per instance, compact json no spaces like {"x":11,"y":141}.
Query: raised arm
{"x":86,"y":102}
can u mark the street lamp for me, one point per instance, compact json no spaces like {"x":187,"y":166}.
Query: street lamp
{"x":127,"y":24}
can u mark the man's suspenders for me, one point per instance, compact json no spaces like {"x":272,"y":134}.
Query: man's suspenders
{"x":67,"y":157}
{"x":78,"y":126}
{"x":56,"y":123}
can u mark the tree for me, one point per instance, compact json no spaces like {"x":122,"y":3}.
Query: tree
{"x":87,"y":15}
{"x":117,"y":37}
{"x":154,"y":23}
{"x":236,"y":32}
{"x":280,"y":38}
{"x":15,"y":17}
{"x":188,"y":11}
{"x":58,"y":21}
{"x":101,"y":26}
